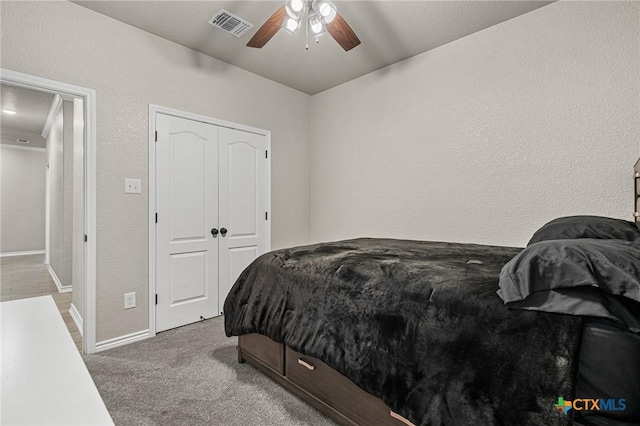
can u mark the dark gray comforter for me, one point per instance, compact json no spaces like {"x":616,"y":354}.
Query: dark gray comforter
{"x":415,"y":323}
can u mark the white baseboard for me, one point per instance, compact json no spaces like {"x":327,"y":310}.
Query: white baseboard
{"x":21,"y":253}
{"x":122,"y":340}
{"x":75,"y":316}
{"x":56,"y":280}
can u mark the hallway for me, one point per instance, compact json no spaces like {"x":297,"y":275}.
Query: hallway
{"x":27,"y":276}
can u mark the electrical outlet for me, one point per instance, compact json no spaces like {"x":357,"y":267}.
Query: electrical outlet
{"x":132,"y":186}
{"x":129,"y":300}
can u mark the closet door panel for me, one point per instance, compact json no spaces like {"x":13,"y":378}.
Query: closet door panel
{"x":187,"y":253}
{"x":243,"y":180}
{"x":243,"y":203}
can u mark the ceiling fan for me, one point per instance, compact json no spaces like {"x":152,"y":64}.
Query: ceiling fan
{"x":321,"y":16}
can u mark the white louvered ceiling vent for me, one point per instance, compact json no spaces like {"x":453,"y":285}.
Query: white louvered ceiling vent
{"x":230,"y":23}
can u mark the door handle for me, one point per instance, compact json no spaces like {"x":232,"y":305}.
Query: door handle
{"x":214,"y":232}
{"x":223,"y":231}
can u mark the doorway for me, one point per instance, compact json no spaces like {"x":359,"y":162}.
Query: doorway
{"x":65,"y":171}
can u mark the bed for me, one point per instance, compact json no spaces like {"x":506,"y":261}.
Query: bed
{"x":397,"y":332}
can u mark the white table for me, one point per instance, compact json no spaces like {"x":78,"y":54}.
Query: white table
{"x":44,"y":380}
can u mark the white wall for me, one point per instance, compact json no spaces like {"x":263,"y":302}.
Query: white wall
{"x":129,"y":69}
{"x":22,"y":196}
{"x":488,"y":137}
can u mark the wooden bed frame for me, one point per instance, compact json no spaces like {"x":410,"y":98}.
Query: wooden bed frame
{"x":316,"y":383}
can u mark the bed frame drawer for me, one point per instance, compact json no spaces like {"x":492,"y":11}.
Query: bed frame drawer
{"x":263,"y":350}
{"x":340,"y":393}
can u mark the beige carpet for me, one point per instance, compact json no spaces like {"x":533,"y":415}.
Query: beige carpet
{"x":190,"y":376}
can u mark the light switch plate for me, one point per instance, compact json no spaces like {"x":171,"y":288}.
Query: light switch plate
{"x":133,"y":186}
{"x":129,"y":300}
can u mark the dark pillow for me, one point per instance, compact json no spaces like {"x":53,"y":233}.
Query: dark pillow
{"x":594,"y":277}
{"x":573,"y":227}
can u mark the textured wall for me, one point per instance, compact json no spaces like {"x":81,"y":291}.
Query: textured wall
{"x":22,"y":196}
{"x":129,"y":69}
{"x":485,"y":138}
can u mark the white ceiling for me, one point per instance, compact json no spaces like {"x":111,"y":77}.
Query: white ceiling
{"x":31,"y":107}
{"x":390,"y":31}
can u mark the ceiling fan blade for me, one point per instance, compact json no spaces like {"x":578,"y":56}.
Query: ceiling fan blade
{"x":342,"y":33}
{"x":268,"y":29}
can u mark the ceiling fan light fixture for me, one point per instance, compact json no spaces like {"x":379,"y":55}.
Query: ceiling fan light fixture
{"x":316,"y":26}
{"x":294,"y":8}
{"x":290,"y":16}
{"x":290,"y":24}
{"x":326,"y":9}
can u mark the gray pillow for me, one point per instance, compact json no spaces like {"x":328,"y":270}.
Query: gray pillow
{"x":595,"y":277}
{"x":598,"y":227}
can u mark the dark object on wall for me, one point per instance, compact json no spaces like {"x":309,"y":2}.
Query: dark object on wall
{"x":636,"y":193}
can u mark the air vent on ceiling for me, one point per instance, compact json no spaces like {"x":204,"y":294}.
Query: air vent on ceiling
{"x":230,"y":23}
{"x":23,"y":140}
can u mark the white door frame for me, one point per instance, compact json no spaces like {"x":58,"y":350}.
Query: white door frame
{"x":153,"y":110}
{"x":89,"y":98}
{"x":53,"y":111}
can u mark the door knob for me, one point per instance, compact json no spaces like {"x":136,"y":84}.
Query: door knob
{"x":223,"y":231}
{"x":214,"y":232}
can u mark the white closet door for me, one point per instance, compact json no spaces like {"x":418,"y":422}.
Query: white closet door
{"x":187,"y":207}
{"x":243,"y":202}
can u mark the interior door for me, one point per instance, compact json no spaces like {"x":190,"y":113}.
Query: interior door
{"x":187,"y":214}
{"x":243,"y":204}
